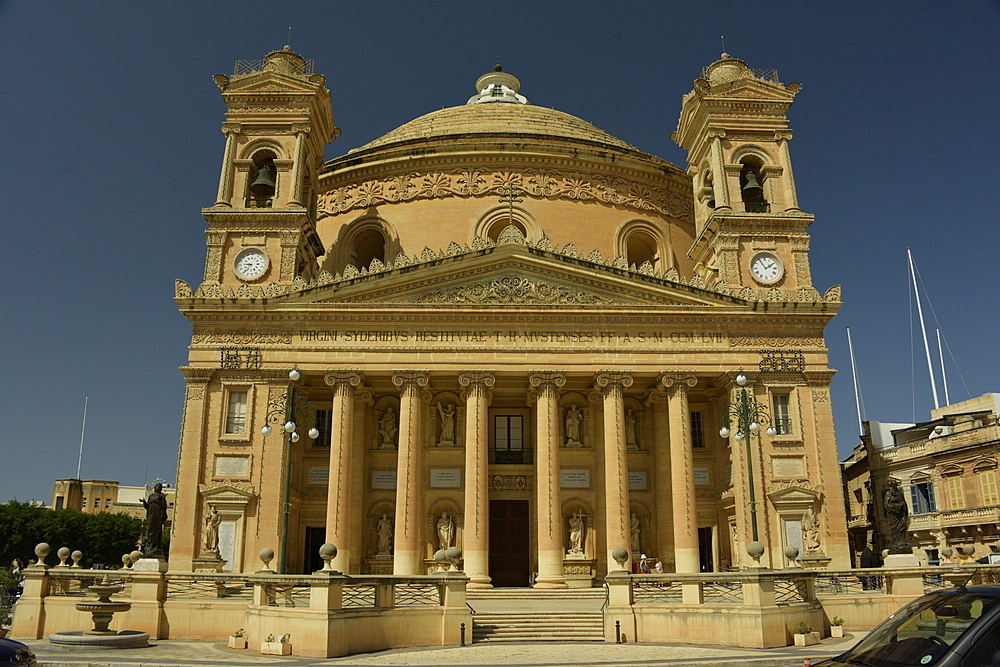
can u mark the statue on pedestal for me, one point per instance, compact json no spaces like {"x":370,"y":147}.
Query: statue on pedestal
{"x":156,"y":516}
{"x":384,"y":535}
{"x":898,"y":515}
{"x":211,"y":538}
{"x":576,"y":532}
{"x":810,"y":530}
{"x":446,"y":531}
{"x":573,"y":419}
{"x":634,"y":527}
{"x":388,"y":428}
{"x":447,"y":424}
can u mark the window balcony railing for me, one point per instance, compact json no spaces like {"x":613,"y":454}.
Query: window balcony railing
{"x":263,"y":202}
{"x":757,"y":207}
{"x":511,"y":456}
{"x":783,"y":425}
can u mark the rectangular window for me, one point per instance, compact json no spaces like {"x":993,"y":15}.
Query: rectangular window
{"x":697,"y":431}
{"x":97,"y":503}
{"x":508,"y":439}
{"x":107,"y":503}
{"x":323,"y":420}
{"x":956,"y":493}
{"x":781,"y":415}
{"x":236,"y":415}
{"x":59,"y":502}
{"x":988,"y":486}
{"x":922,"y":497}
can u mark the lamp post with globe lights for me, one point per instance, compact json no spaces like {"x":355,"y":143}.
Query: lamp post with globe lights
{"x":747,"y":415}
{"x":290,"y":411}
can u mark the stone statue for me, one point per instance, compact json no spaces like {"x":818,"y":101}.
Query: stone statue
{"x":898,"y":515}
{"x":388,"y":427}
{"x":447,"y":424}
{"x":576,"y":532}
{"x":634,"y":531}
{"x":156,"y":516}
{"x":573,"y":419}
{"x":810,"y":530}
{"x":446,"y":531}
{"x":384,"y":535}
{"x":630,"y":439}
{"x":212,"y":521}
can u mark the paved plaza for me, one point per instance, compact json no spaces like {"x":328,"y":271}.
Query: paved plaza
{"x":167,"y":653}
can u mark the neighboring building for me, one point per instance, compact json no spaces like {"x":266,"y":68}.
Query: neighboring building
{"x":947,"y":468}
{"x":92,"y":496}
{"x":519,"y":334}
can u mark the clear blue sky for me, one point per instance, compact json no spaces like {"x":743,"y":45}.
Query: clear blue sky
{"x":112,"y":146}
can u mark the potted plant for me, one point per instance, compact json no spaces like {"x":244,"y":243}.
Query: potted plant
{"x":804,"y":635}
{"x":238,"y":639}
{"x":280,"y":647}
{"x":837,"y":627}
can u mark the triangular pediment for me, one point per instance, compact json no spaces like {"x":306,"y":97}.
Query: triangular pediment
{"x":511,"y":274}
{"x":269,"y":82}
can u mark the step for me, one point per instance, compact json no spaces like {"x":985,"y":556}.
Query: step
{"x":538,"y":626}
{"x":534,"y":593}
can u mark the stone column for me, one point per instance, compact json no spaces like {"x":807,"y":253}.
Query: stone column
{"x":407,"y":554}
{"x":547,"y":503}
{"x":686,"y":556}
{"x":662,"y":503}
{"x":785,"y":160}
{"x":338,"y":499}
{"x":298,"y":168}
{"x":720,"y":186}
{"x":224,"y":198}
{"x":190,"y":472}
{"x":612,"y":385}
{"x":476,"y":513}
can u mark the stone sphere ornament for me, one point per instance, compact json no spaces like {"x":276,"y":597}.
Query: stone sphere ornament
{"x":126,"y":560}
{"x":791,"y":552}
{"x":42,"y":550}
{"x":135,"y":556}
{"x":327,"y":552}
{"x":63,"y":555}
{"x":441,"y":558}
{"x":620,"y":554}
{"x":947,"y":552}
{"x":453,"y":554}
{"x":755,"y":550}
{"x":266,"y":555}
{"x":968,"y":550}
{"x":77,"y":556}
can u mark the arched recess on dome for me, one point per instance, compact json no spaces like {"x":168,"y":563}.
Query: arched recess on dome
{"x":492,"y":223}
{"x":640,"y":241}
{"x":362,"y":241}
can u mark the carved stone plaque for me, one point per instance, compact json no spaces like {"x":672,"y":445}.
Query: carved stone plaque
{"x":446,"y":478}
{"x":789,"y":467}
{"x":637,"y":481}
{"x":574,"y":479}
{"x":319,"y":475}
{"x":232,"y":466}
{"x":383,"y":479}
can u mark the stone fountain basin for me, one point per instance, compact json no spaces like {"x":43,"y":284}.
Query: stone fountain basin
{"x":98,"y":606}
{"x":77,"y":639}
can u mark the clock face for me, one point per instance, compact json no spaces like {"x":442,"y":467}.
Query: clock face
{"x":251,"y":264}
{"x":766,"y":268}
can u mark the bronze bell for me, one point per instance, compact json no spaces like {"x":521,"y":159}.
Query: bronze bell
{"x":752,"y":186}
{"x":264,"y":185}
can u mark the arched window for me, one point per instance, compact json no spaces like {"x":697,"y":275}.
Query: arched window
{"x":492,"y":224}
{"x":641,"y":248}
{"x":752,"y":185}
{"x":262,"y":180}
{"x":641,"y":241}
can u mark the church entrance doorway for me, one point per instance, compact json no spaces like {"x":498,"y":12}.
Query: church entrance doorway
{"x":509,"y":561}
{"x":705,"y":549}
{"x":315,"y":538}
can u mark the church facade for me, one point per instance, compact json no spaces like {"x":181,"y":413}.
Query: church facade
{"x":500,"y":328}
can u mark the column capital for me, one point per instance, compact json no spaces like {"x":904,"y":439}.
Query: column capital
{"x":231,"y":128}
{"x":408,"y":379}
{"x":343,"y":377}
{"x":655,"y":397}
{"x":302,"y":128}
{"x":546,"y":378}
{"x":483,"y":378}
{"x":677,"y":379}
{"x":607,"y":380}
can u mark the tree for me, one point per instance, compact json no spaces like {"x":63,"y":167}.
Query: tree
{"x":102,"y":537}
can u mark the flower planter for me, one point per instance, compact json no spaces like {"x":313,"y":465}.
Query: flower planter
{"x":836,"y":631}
{"x":276,"y":648}
{"x":237,"y":642}
{"x":807,"y":639}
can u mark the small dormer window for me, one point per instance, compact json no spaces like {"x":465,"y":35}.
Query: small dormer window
{"x":497,"y":90}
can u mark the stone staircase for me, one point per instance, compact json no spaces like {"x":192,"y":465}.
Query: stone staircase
{"x":528,"y":615}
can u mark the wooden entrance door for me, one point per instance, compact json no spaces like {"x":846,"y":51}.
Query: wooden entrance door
{"x":510,"y":565}
{"x":315,"y":538}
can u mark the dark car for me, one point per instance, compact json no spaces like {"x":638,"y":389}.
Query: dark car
{"x":958,"y":627}
{"x":15,"y":653}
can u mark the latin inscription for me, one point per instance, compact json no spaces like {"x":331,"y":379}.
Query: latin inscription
{"x":574,"y":479}
{"x":446,"y":478}
{"x":508,"y":337}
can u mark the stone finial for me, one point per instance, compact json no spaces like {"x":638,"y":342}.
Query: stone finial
{"x":266,"y":556}
{"x":453,"y":554}
{"x":63,"y":555}
{"x":327,"y":552}
{"x":42,"y":550}
{"x":126,"y":560}
{"x":620,"y":554}
{"x":77,"y":556}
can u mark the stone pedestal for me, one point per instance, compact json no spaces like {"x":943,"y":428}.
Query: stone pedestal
{"x":379,"y":565}
{"x":901,"y":560}
{"x":207,"y":562}
{"x":815,"y":560}
{"x":578,"y":571}
{"x":150,"y":565}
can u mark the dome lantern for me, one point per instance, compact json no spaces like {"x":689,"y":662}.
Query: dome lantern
{"x":498,"y":86}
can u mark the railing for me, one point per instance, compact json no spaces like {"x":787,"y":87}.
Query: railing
{"x":244,"y":67}
{"x":765,"y":74}
{"x":208,"y":585}
{"x":728,"y":588}
{"x":73,"y":582}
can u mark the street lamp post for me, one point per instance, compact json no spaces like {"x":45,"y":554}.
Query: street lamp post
{"x":747,"y":414}
{"x":290,"y":410}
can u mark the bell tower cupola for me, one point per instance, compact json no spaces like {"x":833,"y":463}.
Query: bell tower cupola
{"x":749,"y":228}
{"x":262,"y":227}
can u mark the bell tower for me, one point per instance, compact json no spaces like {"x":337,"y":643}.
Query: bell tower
{"x":262,"y":227}
{"x":749,"y":229}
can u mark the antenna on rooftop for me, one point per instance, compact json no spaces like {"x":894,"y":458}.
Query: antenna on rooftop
{"x":83,"y":431}
{"x":289,"y":42}
{"x":723,"y":38}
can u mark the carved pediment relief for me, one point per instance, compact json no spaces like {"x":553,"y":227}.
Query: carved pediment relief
{"x":794,"y":494}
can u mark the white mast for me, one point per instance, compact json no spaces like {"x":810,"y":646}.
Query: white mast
{"x":83,"y":431}
{"x":854,"y":374}
{"x":923,"y":330}
{"x":944,"y":378}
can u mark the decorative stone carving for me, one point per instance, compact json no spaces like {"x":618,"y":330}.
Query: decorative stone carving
{"x":577,"y":533}
{"x":445,"y":531}
{"x":512,"y":289}
{"x":574,"y":417}
{"x":384,"y":531}
{"x":388,"y":428}
{"x":447,"y":437}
